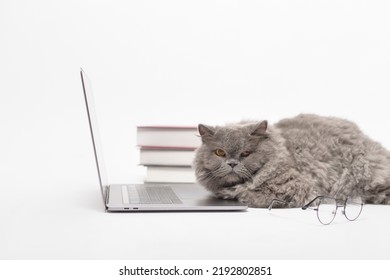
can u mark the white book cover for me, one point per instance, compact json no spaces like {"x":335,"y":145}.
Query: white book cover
{"x":169,"y":174}
{"x":161,"y":156}
{"x":168,"y":136}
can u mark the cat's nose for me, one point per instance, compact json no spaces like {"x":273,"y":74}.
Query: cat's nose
{"x":232,"y":164}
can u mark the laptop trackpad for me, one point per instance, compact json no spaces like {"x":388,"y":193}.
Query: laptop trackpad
{"x":144,"y":194}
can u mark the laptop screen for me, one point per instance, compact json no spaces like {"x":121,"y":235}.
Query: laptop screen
{"x":94,"y":132}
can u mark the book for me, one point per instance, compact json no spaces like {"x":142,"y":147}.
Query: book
{"x":168,"y":136}
{"x":166,"y":156}
{"x":170,"y":174}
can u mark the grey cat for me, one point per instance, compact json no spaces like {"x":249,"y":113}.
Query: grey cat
{"x":294,"y":160}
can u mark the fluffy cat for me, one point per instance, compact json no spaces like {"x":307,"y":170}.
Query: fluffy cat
{"x":294,"y":160}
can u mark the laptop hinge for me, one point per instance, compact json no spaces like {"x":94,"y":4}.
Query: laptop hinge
{"x":107,"y":197}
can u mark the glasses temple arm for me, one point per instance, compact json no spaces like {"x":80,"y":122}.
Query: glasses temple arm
{"x":308,"y":204}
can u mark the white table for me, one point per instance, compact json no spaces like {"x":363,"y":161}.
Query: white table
{"x":65,"y":220}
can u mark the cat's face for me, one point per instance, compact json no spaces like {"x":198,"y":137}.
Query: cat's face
{"x":229,"y":155}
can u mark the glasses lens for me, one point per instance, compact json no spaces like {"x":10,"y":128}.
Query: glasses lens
{"x":353,"y":208}
{"x":326,"y":210}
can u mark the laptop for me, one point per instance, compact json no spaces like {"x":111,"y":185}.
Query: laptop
{"x":148,"y":197}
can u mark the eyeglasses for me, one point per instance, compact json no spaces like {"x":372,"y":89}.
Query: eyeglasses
{"x":326,"y":207}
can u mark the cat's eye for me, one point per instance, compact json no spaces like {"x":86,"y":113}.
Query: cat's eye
{"x":245,"y":154}
{"x":220,"y":152}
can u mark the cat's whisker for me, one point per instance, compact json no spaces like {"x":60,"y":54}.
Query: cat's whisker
{"x":244,"y":173}
{"x":222,"y":171}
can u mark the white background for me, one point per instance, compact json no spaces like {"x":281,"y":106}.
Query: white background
{"x":172,"y":62}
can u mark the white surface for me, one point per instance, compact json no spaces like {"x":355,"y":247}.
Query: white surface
{"x":177,"y":63}
{"x":68,"y":223}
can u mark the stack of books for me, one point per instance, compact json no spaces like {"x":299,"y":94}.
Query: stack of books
{"x":168,"y":152}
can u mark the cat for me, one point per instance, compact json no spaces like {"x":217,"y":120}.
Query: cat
{"x":294,"y":160}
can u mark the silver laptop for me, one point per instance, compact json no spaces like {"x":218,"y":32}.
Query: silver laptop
{"x":148,"y":197}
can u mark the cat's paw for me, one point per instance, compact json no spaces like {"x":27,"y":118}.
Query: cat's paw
{"x":228,"y":193}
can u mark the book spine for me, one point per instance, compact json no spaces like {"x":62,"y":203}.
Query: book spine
{"x":170,"y":137}
{"x":168,"y":159}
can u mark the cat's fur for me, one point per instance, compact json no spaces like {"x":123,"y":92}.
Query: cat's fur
{"x":294,"y":160}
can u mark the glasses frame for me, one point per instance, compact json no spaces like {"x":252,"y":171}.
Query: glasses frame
{"x":338,"y":203}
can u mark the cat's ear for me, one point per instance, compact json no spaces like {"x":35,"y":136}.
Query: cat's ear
{"x":260,"y":129}
{"x":205,"y":131}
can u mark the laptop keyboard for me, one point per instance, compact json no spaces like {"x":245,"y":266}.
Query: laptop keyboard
{"x":152,"y":195}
